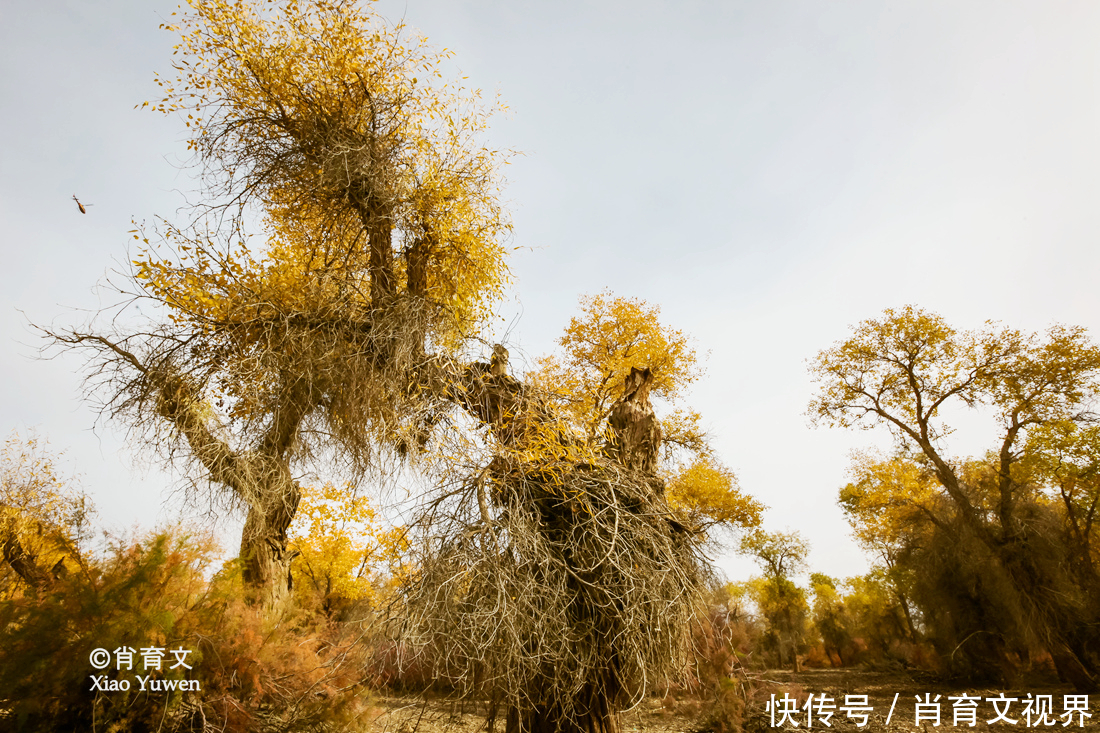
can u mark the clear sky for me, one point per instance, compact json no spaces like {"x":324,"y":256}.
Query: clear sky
{"x":768,"y":172}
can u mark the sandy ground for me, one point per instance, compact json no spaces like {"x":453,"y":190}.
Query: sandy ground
{"x":673,"y":714}
{"x":417,"y":715}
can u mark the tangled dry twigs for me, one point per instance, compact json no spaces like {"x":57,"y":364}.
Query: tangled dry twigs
{"x":562,"y":589}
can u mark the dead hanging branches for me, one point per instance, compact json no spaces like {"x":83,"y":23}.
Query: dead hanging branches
{"x":256,"y":394}
{"x":556,"y":582}
{"x":335,"y":137}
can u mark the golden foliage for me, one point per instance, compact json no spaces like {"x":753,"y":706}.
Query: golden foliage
{"x":599,"y":348}
{"x":349,"y":241}
{"x":708,"y":492}
{"x":779,"y":554}
{"x":889,"y":500}
{"x":901,"y":369}
{"x":997,"y":517}
{"x":342,"y":130}
{"x":347,"y":245}
{"x":1065,"y":458}
{"x":346,"y":552}
{"x":780,"y":601}
{"x":43,"y":518}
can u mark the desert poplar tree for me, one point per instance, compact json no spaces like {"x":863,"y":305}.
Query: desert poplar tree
{"x":559,"y":572}
{"x":902,"y":371}
{"x":348,"y":244}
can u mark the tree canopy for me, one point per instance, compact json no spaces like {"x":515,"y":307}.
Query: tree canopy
{"x":903,"y":370}
{"x":590,"y":375}
{"x":349,"y":243}
{"x":317,"y":309}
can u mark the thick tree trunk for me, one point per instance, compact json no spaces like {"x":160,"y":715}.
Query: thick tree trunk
{"x":598,"y":714}
{"x":505,"y":404}
{"x":260,"y":478}
{"x":265,"y":557}
{"x":265,"y":564}
{"x":380,"y":238}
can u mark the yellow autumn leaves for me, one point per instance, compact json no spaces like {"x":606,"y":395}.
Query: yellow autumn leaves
{"x":337,"y":134}
{"x":598,"y":349}
{"x":42,"y":515}
{"x":351,"y":226}
{"x":341,"y":537}
{"x":347,"y":552}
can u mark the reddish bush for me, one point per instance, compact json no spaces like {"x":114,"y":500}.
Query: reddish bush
{"x":300,"y":672}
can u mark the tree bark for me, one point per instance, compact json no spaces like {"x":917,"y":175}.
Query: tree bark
{"x":634,"y":443}
{"x":635,"y":431}
{"x":380,"y":239}
{"x":261,"y":479}
{"x":264,"y":556}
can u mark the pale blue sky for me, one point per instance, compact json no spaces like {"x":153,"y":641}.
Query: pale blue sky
{"x":768,"y":172}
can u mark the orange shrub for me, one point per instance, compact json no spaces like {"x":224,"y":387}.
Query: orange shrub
{"x":299,"y":673}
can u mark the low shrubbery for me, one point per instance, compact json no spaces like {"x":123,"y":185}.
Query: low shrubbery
{"x":301,"y":672}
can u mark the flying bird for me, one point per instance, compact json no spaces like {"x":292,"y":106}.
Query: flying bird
{"x":80,"y":205}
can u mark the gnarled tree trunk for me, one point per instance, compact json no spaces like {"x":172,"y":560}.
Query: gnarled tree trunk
{"x":260,"y":479}
{"x":265,"y":558}
{"x":635,"y":439}
{"x":556,"y":579}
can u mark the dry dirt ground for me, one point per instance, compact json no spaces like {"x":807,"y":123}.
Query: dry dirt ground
{"x":419,"y":715}
{"x":673,"y":714}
